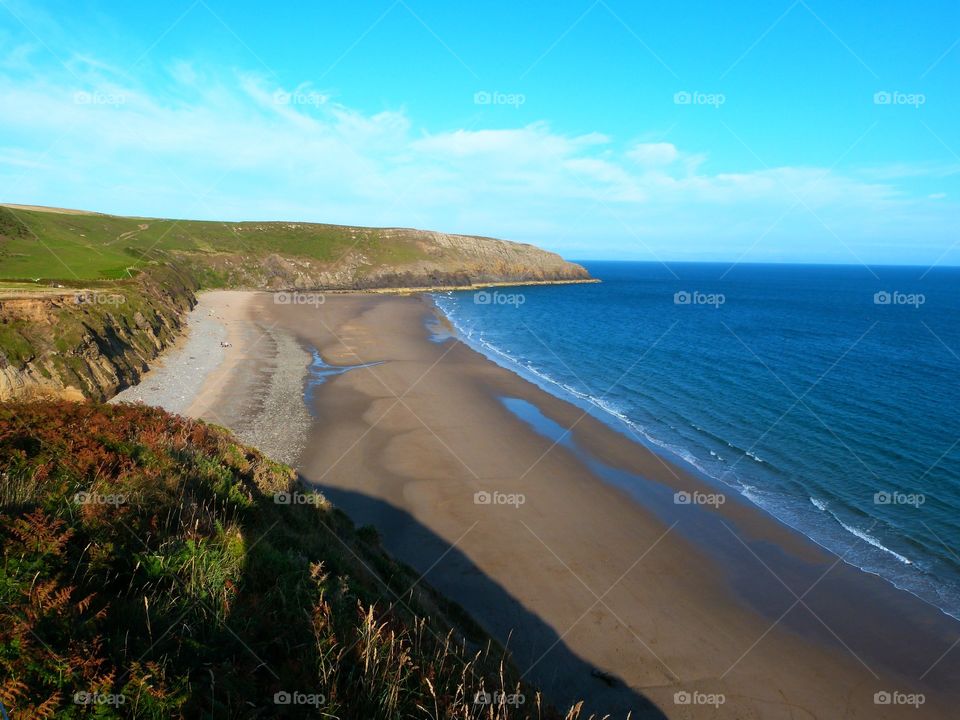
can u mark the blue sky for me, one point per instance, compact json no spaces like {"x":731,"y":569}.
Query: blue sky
{"x":768,"y":131}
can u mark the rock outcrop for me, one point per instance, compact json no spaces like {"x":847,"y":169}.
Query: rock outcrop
{"x":430,"y":260}
{"x":89,"y":343}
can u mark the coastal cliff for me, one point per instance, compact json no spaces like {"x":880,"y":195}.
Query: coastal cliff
{"x":264,"y":255}
{"x":88,"y":300}
{"x":89,"y":342}
{"x":383,"y":258}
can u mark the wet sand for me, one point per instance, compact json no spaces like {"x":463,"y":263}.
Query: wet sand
{"x":574,"y":552}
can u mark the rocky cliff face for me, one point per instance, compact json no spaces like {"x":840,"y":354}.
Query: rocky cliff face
{"x":429,"y":260}
{"x":490,"y":260}
{"x":89,"y":343}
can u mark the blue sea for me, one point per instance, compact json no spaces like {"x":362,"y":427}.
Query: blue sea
{"x":829,"y":396}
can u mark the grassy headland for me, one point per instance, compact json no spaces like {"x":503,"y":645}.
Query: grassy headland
{"x":45,"y":245}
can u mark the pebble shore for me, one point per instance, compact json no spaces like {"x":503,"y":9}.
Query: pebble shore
{"x":257,"y":369}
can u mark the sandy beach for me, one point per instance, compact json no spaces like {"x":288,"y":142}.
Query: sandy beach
{"x":559,"y":534}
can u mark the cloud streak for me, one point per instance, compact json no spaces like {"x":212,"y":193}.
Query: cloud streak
{"x":237,"y":146}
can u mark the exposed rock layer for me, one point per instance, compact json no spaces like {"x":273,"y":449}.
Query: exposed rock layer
{"x":89,"y":344}
{"x":440,"y":261}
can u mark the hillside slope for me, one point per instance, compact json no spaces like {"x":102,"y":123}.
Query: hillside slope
{"x":49,"y":245}
{"x":154,"y":568}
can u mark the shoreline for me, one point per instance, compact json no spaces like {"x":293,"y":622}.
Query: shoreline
{"x":628,"y":430}
{"x":418,"y":289}
{"x":405,"y":445}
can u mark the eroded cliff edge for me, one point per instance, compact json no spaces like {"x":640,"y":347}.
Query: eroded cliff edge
{"x":89,"y":342}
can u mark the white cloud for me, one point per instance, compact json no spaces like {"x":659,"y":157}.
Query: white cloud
{"x":653,"y":154}
{"x":240,"y":147}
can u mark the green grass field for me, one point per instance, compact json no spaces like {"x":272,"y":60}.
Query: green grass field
{"x":78,"y":247}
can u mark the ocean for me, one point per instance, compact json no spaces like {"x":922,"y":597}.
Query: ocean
{"x":826,"y":395}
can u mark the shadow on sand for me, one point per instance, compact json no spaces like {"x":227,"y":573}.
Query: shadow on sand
{"x":536,"y":647}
